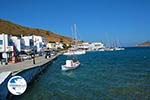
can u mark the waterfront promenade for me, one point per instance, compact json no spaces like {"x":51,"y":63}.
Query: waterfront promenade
{"x":5,"y":70}
{"x":26,"y":64}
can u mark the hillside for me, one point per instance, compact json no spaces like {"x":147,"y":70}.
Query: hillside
{"x":15,"y":29}
{"x":145,"y":44}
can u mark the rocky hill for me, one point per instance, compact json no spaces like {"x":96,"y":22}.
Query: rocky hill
{"x":15,"y":29}
{"x":145,"y":44}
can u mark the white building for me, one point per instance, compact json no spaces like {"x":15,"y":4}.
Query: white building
{"x":91,"y":46}
{"x":34,"y":41}
{"x":53,"y":45}
{"x":84,"y":45}
{"x":39,"y":42}
{"x":59,"y":45}
{"x":18,"y":42}
{"x":28,"y":41}
{"x":6,"y":45}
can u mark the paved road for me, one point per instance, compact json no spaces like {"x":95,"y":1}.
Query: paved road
{"x":26,"y":64}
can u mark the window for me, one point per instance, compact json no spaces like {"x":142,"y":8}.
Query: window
{"x":10,"y":42}
{"x":1,"y":42}
{"x":40,"y":45}
{"x":31,"y":42}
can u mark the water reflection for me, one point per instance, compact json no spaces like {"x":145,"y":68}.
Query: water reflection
{"x":70,"y":74}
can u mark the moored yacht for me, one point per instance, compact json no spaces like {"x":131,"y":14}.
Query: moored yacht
{"x":75,"y":52}
{"x":119,"y":48}
{"x":109,"y":49}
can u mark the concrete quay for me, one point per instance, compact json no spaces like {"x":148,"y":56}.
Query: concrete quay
{"x":5,"y":70}
{"x":26,"y":69}
{"x":27,"y":64}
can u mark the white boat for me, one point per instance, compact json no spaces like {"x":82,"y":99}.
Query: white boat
{"x":118,"y":48}
{"x":109,"y":49}
{"x":101,"y":50}
{"x":70,"y":64}
{"x":75,"y":52}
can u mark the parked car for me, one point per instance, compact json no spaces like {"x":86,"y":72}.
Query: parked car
{"x":47,"y":54}
{"x":24,"y":55}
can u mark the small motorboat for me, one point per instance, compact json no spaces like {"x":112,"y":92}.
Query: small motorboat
{"x":70,"y":64}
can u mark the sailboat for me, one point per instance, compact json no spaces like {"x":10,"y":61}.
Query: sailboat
{"x":74,"y":50}
{"x":116,"y":48}
{"x":71,"y":64}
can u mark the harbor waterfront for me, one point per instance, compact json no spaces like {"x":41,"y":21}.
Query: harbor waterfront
{"x":26,"y":64}
{"x":75,"y":50}
{"x":117,"y":75}
{"x":27,"y":69}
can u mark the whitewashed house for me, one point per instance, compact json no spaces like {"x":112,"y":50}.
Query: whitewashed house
{"x":91,"y":46}
{"x":18,"y":42}
{"x":39,"y":42}
{"x":6,"y":46}
{"x":59,"y":45}
{"x":34,"y":41}
{"x":27,"y":41}
{"x":51,"y":45}
{"x":55,"y":45}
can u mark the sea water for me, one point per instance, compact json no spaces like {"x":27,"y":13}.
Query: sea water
{"x":117,"y":75}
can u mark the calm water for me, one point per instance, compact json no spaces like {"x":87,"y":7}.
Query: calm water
{"x":119,"y":75}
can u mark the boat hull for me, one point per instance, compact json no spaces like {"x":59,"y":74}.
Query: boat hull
{"x":75,"y":53}
{"x":118,"y":49}
{"x":66,"y":68}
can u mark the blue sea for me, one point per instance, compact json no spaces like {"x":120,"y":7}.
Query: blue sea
{"x":117,"y":75}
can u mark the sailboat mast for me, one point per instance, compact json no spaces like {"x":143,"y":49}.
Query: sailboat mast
{"x":75,"y":33}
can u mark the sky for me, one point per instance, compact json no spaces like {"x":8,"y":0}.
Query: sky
{"x":126,"y":21}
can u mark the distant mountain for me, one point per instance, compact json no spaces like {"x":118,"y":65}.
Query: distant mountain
{"x":145,"y":44}
{"x":15,"y":29}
